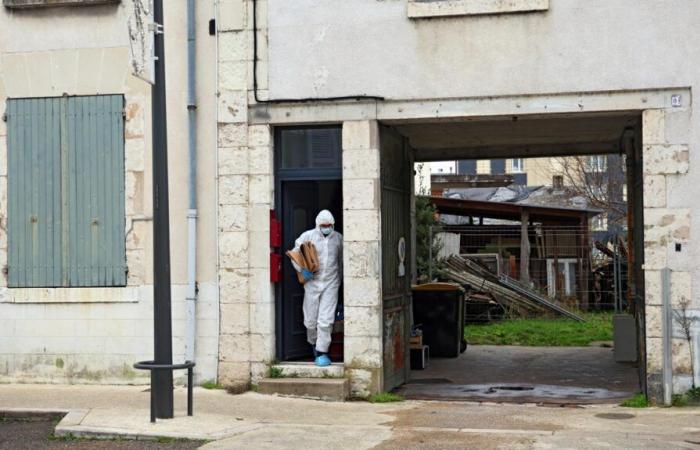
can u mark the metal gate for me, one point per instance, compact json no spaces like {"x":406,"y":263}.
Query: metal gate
{"x":396,"y":172}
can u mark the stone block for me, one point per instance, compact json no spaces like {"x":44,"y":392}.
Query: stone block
{"x":134,"y":193}
{"x":233,"y":285}
{"x":234,"y":373}
{"x":233,"y":161}
{"x":233,"y":106}
{"x":666,"y":159}
{"x":680,"y":358}
{"x":235,"y":318}
{"x":653,"y":126}
{"x":360,"y":134}
{"x":232,"y":135}
{"x":331,"y":389}
{"x":233,"y":189}
{"x":362,"y":292}
{"x":361,"y":259}
{"x":260,"y":160}
{"x":258,"y":371}
{"x":261,"y":290}
{"x":653,"y":319}
{"x":259,"y":217}
{"x":233,"y":249}
{"x":262,"y":347}
{"x":360,"y":163}
{"x":234,"y":348}
{"x":136,"y":266}
{"x":3,"y":155}
{"x":134,"y":155}
{"x":259,"y":136}
{"x":652,"y":288}
{"x":654,"y":355}
{"x":363,"y":352}
{"x":232,"y":46}
{"x":262,"y":317}
{"x":665,"y":225}
{"x":681,"y":287}
{"x":233,"y":75}
{"x":654,"y":191}
{"x":365,"y":321}
{"x":233,"y":218}
{"x":361,"y":225}
{"x":261,"y":189}
{"x":655,"y":256}
{"x":360,"y":194}
{"x":364,"y":382}
{"x":259,"y":249}
{"x":135,"y":122}
{"x":232,"y":15}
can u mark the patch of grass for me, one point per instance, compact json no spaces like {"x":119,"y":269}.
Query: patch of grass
{"x":546,"y":332}
{"x":694,"y":394}
{"x":274,"y":372}
{"x":211,"y":384}
{"x":385,"y":397}
{"x":638,"y":401}
{"x":679,"y":400}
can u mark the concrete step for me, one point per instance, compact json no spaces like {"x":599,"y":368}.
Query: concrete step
{"x":310,"y":370}
{"x":330,"y":389}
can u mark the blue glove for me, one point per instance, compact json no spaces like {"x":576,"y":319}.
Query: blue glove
{"x":306,"y":273}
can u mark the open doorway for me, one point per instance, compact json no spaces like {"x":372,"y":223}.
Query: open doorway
{"x":544,"y":264}
{"x":308,"y":180}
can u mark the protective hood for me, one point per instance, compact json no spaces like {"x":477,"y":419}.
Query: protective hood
{"x":324,"y":216}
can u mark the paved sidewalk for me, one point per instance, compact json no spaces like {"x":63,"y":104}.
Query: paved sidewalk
{"x":256,"y":421}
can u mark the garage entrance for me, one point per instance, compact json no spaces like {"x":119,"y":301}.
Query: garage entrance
{"x":533,"y":261}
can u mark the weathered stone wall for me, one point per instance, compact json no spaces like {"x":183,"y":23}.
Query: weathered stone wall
{"x":245,"y":180}
{"x":668,"y":208}
{"x":94,"y":335}
{"x":362,"y":257}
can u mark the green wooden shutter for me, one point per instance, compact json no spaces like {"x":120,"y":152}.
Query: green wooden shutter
{"x":66,"y":192}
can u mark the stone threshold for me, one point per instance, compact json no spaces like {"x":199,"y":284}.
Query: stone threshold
{"x":296,"y":369}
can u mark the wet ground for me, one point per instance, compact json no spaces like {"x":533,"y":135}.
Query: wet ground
{"x":36,"y":433}
{"x":526,"y":374}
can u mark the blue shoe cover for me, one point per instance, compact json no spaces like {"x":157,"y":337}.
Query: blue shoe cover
{"x":323,"y":360}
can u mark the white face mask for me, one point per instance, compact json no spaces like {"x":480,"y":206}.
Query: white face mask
{"x":326,"y":230}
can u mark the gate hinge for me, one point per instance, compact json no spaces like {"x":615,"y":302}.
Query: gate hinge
{"x":4,"y":117}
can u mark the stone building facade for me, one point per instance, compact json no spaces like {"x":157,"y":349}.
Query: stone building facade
{"x":366,"y":66}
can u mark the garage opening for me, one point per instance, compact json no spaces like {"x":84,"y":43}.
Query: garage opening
{"x":526,"y":253}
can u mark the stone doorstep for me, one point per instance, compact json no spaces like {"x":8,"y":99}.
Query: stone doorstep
{"x":330,"y":389}
{"x":310,"y":370}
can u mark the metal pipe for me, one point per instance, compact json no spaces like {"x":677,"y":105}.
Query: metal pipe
{"x":191,"y":296}
{"x":667,"y":327}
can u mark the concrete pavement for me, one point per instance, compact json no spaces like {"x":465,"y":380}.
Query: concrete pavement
{"x":257,"y":421}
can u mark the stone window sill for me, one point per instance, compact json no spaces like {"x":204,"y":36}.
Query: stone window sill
{"x":418,"y":9}
{"x":27,"y":4}
{"x":129,"y":294}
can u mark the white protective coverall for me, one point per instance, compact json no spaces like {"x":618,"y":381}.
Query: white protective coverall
{"x":321,"y":292}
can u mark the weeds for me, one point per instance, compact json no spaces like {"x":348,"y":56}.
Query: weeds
{"x":274,"y":372}
{"x":211,"y":384}
{"x":638,"y":401}
{"x":385,"y":397}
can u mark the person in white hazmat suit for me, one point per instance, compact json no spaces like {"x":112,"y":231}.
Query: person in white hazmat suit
{"x":321,"y":288}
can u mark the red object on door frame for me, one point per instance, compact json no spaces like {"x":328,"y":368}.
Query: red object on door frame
{"x":275,"y":231}
{"x":275,"y":267}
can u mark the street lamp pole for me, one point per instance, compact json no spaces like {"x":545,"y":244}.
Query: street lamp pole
{"x":162,"y":320}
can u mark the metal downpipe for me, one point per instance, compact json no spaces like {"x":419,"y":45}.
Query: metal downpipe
{"x":191,"y":295}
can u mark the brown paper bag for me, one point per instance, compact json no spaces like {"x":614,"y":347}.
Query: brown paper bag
{"x":306,"y":258}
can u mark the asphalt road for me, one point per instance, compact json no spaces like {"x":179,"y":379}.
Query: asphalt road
{"x":37,"y":434}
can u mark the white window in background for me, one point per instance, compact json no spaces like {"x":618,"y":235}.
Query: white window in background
{"x":624,"y":192}
{"x":599,"y":222}
{"x":566,"y":272}
{"x":483,"y":166}
{"x":597,"y":163}
{"x":516,"y":165}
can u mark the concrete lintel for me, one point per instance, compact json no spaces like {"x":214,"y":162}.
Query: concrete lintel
{"x":524,"y":151}
{"x":469,"y":107}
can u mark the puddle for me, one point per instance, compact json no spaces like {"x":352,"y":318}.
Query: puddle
{"x":431,"y":388}
{"x":615,"y":416}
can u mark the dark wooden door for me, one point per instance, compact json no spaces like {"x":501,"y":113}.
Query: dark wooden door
{"x":301,"y":202}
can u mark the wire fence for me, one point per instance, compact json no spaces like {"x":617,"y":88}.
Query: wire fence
{"x":568,"y":264}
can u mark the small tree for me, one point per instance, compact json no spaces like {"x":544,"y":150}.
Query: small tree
{"x":425,"y":219}
{"x":685,"y":321}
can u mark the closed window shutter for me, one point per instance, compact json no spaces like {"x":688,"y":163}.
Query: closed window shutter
{"x":66,"y":210}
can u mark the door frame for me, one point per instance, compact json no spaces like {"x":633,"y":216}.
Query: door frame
{"x":285,"y":175}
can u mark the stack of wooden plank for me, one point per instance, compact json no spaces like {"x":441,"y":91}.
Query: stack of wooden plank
{"x":514,"y":298}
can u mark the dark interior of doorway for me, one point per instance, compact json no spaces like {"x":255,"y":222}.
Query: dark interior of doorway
{"x":301,"y":202}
